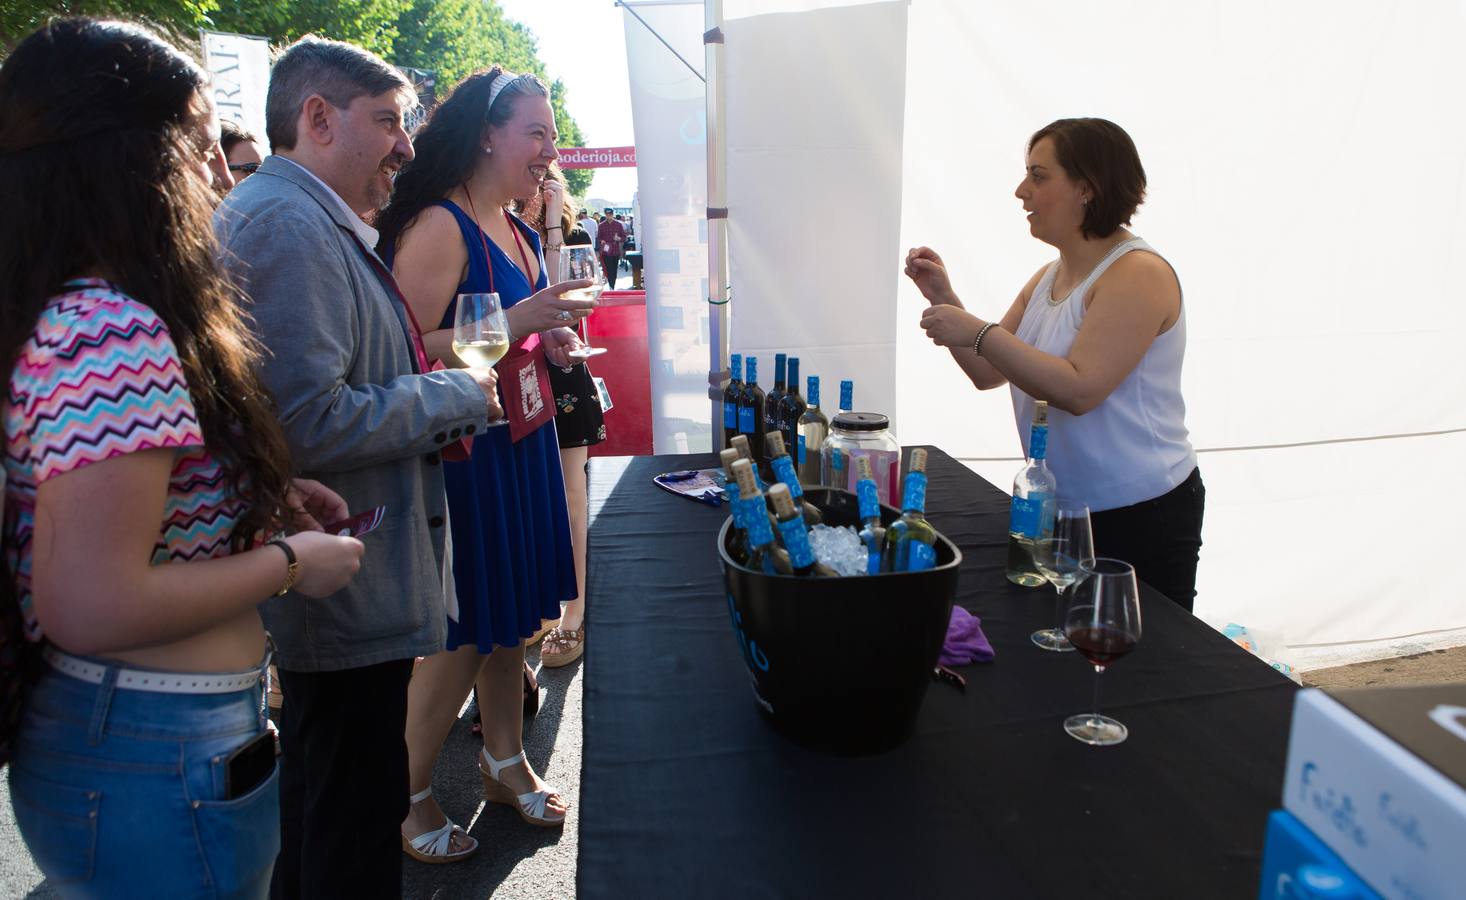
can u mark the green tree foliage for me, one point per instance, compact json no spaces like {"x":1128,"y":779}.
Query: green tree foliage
{"x":456,"y":38}
{"x":452,"y":38}
{"x":367,"y":23}
{"x":19,"y":18}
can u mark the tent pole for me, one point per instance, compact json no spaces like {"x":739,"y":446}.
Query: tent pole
{"x":715,"y":104}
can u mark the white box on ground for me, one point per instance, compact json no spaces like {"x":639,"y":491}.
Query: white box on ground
{"x":1397,"y":816}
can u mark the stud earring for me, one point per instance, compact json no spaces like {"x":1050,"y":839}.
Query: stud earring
{"x":488,"y":150}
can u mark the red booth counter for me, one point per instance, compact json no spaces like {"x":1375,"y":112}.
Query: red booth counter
{"x":619,"y":325}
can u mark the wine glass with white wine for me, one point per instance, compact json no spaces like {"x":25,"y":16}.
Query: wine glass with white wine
{"x":480,"y":331}
{"x":1058,"y":558}
{"x":580,"y":263}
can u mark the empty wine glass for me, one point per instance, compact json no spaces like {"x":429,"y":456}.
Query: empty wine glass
{"x":480,"y":331}
{"x":579,"y":262}
{"x":1103,"y":623}
{"x":1058,"y":559}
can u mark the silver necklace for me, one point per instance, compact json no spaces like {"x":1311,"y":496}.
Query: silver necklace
{"x":1108,"y":253}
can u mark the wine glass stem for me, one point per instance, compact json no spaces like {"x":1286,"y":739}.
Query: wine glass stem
{"x":1099,"y":672}
{"x":1059,"y":608}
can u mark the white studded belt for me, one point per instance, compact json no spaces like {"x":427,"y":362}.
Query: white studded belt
{"x":148,"y":680}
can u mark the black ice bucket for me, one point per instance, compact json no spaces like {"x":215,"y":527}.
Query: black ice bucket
{"x":841,"y":664}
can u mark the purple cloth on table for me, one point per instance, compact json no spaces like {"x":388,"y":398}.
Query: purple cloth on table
{"x":965,"y":641}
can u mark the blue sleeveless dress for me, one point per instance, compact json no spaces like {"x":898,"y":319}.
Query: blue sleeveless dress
{"x":512,"y":556}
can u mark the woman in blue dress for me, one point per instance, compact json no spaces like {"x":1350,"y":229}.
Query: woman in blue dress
{"x":448,"y":231}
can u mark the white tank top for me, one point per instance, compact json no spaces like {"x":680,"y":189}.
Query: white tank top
{"x":1134,"y":445}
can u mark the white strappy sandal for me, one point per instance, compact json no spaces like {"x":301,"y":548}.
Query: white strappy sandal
{"x":436,"y":846}
{"x":532,"y":805}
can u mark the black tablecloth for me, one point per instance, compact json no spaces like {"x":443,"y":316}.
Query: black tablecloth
{"x":686,"y":791}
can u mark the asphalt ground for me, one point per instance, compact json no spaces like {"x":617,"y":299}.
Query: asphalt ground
{"x":519,"y":861}
{"x":515,"y":860}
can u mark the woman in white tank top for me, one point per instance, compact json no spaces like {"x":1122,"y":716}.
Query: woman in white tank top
{"x":1100,"y":334}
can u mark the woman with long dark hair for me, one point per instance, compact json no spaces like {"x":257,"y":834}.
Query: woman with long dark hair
{"x":448,"y":231}
{"x":145,"y":472}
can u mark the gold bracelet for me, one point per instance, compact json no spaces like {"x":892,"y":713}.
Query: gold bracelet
{"x":554,"y":247}
{"x":292,"y":569}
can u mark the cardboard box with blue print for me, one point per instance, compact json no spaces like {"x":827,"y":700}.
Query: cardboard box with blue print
{"x":1379,"y":775}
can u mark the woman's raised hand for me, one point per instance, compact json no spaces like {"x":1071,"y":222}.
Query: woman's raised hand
{"x":554,"y":199}
{"x":926,"y":269}
{"x":327,"y":562}
{"x":542,"y":311}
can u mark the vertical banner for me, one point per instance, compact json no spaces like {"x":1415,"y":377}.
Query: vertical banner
{"x":814,"y":124}
{"x":671,"y":168}
{"x":239,"y":68}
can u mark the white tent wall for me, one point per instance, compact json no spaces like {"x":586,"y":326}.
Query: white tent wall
{"x":814,"y":193}
{"x":1307,"y":175}
{"x":671,"y":157}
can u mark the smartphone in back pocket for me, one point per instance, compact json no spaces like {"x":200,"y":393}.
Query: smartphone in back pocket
{"x":249,"y":765}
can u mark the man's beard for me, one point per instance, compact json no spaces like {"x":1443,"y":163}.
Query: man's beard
{"x":378,"y":198}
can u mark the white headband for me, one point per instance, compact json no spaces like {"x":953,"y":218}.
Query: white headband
{"x":501,"y":81}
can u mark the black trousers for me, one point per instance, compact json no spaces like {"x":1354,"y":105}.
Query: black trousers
{"x":610,"y":264}
{"x":343,"y":783}
{"x":1161,"y":538}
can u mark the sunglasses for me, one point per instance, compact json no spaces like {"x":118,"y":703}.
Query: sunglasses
{"x":246,"y":168}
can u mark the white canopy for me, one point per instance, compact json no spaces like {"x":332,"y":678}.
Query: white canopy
{"x":1307,"y":173}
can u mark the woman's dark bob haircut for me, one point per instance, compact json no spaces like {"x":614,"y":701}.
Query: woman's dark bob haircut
{"x":1100,"y":153}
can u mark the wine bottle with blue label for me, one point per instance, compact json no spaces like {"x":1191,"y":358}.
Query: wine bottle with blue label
{"x":738,"y":543}
{"x":1031,"y":516}
{"x":872,"y":532}
{"x":730,"y":398}
{"x":795,"y":534}
{"x":774,"y":405}
{"x":791,"y":408}
{"x":783,"y":466}
{"x":813,"y":426}
{"x":751,"y":409}
{"x":911,"y":540}
{"x":763,"y":554}
{"x":745,"y":451}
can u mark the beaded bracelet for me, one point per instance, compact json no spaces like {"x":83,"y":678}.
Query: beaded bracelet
{"x":977,"y":344}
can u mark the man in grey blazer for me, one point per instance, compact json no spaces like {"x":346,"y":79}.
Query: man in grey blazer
{"x":363,"y":417}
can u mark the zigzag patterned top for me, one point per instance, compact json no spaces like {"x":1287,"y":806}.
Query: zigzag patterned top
{"x":99,"y":378}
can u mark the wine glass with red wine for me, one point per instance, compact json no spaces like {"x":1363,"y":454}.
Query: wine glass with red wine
{"x":1103,"y":624}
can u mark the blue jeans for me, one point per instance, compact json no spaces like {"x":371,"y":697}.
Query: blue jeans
{"x":119,"y":793}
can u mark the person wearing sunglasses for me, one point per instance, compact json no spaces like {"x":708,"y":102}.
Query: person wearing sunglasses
{"x":241,"y":149}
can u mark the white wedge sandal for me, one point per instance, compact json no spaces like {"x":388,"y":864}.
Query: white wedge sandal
{"x":532,"y":805}
{"x":436,"y":846}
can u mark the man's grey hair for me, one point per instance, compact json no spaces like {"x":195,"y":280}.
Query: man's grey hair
{"x":337,"y":71}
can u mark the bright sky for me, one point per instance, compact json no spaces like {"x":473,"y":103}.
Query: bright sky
{"x":582,"y":42}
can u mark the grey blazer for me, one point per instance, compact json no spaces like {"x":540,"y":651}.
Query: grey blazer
{"x":357,"y":414}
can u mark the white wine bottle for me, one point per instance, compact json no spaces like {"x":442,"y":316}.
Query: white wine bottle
{"x":813,"y":426}
{"x":910,"y":540}
{"x":872,"y":532}
{"x":783,"y":468}
{"x":763,"y":554}
{"x":1031,"y":516}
